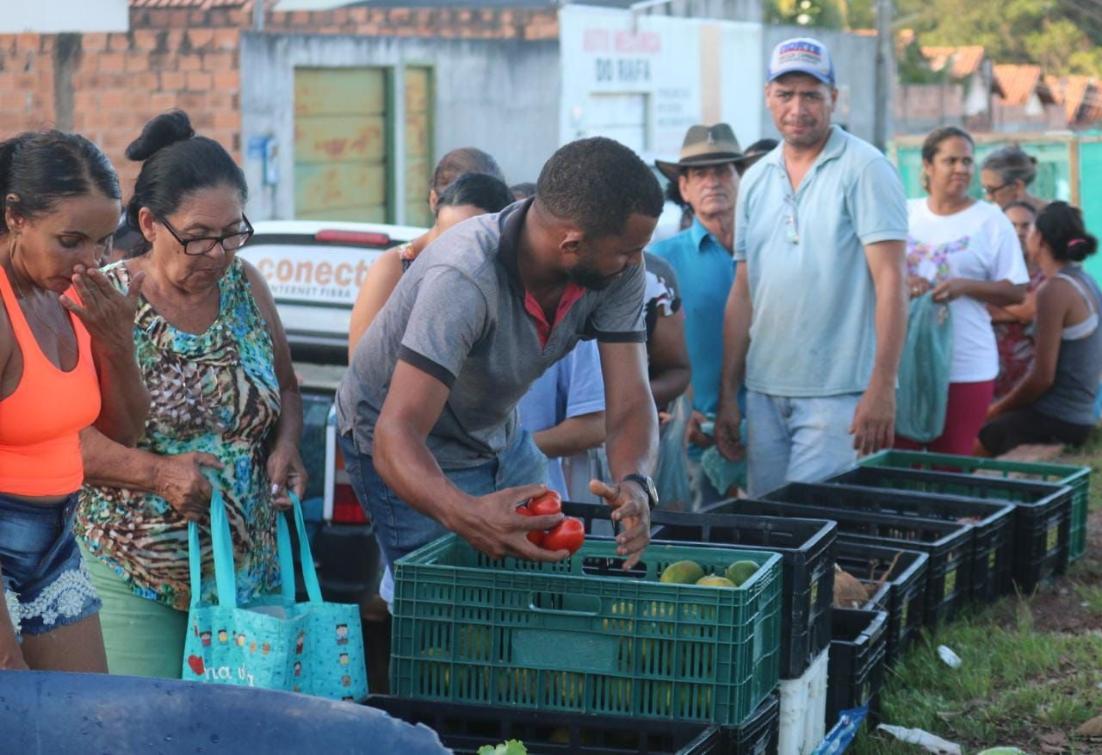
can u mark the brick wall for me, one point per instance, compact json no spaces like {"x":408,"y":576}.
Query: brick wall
{"x":123,"y":80}
{"x":452,"y":22}
{"x":107,"y":86}
{"x":26,"y":82}
{"x":922,"y":107}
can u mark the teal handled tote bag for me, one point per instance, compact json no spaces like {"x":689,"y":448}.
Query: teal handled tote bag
{"x":923,"y":393}
{"x":314,"y":647}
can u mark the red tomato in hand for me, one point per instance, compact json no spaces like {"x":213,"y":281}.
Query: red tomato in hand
{"x":542,"y":505}
{"x":534,"y":536}
{"x":568,"y":535}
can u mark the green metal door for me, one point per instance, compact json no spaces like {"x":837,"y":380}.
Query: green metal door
{"x":417,"y":83}
{"x":341,"y":138}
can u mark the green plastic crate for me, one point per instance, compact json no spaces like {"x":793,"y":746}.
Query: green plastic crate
{"x":583,"y":636}
{"x":1077,"y":478}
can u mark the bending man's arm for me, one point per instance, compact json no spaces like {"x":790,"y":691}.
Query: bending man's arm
{"x":490,"y":523}
{"x":631,"y":422}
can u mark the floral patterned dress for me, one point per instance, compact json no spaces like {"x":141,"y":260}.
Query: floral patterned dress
{"x":215,"y":392}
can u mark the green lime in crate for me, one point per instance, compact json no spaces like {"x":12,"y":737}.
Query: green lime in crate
{"x":1075,"y":477}
{"x":585,"y":636}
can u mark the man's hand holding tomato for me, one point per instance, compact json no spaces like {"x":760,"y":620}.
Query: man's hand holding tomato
{"x":567,"y":535}
{"x":632,"y":511}
{"x":494,"y":526}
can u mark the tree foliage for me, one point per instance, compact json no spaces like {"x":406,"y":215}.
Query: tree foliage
{"x":1063,"y":36}
{"x":1060,"y":35}
{"x":828,"y":14}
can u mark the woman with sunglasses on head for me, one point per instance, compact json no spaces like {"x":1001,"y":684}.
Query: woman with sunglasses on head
{"x":966,"y":254}
{"x":1054,"y":402}
{"x":225,"y":405}
{"x":66,"y":363}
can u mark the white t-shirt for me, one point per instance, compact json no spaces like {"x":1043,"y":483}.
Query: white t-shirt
{"x":977,"y":243}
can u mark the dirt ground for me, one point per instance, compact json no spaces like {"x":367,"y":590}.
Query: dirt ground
{"x":1060,"y":608}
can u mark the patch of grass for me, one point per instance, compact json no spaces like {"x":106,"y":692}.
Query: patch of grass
{"x":1014,"y":684}
{"x":1091,"y":595}
{"x":1017,"y":683}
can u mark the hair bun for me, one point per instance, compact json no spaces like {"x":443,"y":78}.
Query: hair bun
{"x":165,"y":129}
{"x":1081,"y":248}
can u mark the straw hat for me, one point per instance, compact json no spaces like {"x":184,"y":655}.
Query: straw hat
{"x":704,"y":145}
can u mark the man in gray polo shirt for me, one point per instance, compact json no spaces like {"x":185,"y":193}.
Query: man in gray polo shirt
{"x":427,"y":409}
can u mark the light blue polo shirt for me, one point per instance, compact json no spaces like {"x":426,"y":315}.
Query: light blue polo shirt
{"x":813,"y":331}
{"x":571,"y":387}
{"x":705,"y":274}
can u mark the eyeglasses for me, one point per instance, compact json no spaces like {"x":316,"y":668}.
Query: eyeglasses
{"x":993,"y":190}
{"x":200,"y":245}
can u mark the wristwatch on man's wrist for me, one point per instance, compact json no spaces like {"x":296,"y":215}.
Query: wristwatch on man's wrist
{"x":647,"y":484}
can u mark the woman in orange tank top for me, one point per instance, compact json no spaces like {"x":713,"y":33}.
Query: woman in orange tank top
{"x":66,"y":363}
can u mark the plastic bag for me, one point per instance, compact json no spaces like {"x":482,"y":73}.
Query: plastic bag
{"x":671,"y":474}
{"x":923,"y":392}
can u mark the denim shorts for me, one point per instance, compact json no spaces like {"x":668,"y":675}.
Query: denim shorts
{"x":45,"y":583}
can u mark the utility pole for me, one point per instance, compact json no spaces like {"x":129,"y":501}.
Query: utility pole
{"x":885,"y":70}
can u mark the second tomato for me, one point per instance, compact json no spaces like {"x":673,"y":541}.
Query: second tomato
{"x":568,"y":535}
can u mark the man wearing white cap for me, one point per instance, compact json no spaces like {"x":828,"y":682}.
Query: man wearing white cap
{"x":816,"y":318}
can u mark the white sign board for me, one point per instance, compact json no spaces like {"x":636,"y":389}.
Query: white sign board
{"x":61,"y":16}
{"x":643,"y":80}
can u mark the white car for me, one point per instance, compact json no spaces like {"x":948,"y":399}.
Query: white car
{"x":314,"y":269}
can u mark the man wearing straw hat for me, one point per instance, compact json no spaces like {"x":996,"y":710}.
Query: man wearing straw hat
{"x":706,"y":175}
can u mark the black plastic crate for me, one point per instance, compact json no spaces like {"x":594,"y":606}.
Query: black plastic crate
{"x":1042,"y":514}
{"x":807,"y":567}
{"x":903,"y":594}
{"x":949,"y":546}
{"x":856,"y":668}
{"x":465,"y":728}
{"x":758,"y":734}
{"x":993,"y":522}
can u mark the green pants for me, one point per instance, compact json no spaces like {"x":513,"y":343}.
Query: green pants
{"x":142,"y":638}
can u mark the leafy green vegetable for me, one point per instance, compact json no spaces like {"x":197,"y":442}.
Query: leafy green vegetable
{"x":512,"y":747}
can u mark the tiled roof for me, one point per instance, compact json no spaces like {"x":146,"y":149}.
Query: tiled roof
{"x":962,"y":61}
{"x":1020,"y":82}
{"x":1082,"y":99}
{"x":196,"y":4}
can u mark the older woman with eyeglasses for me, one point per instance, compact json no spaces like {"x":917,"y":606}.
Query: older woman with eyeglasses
{"x":1006,"y":175}
{"x":225,"y":405}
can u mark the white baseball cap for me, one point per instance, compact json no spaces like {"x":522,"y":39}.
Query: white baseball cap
{"x":802,"y":55}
